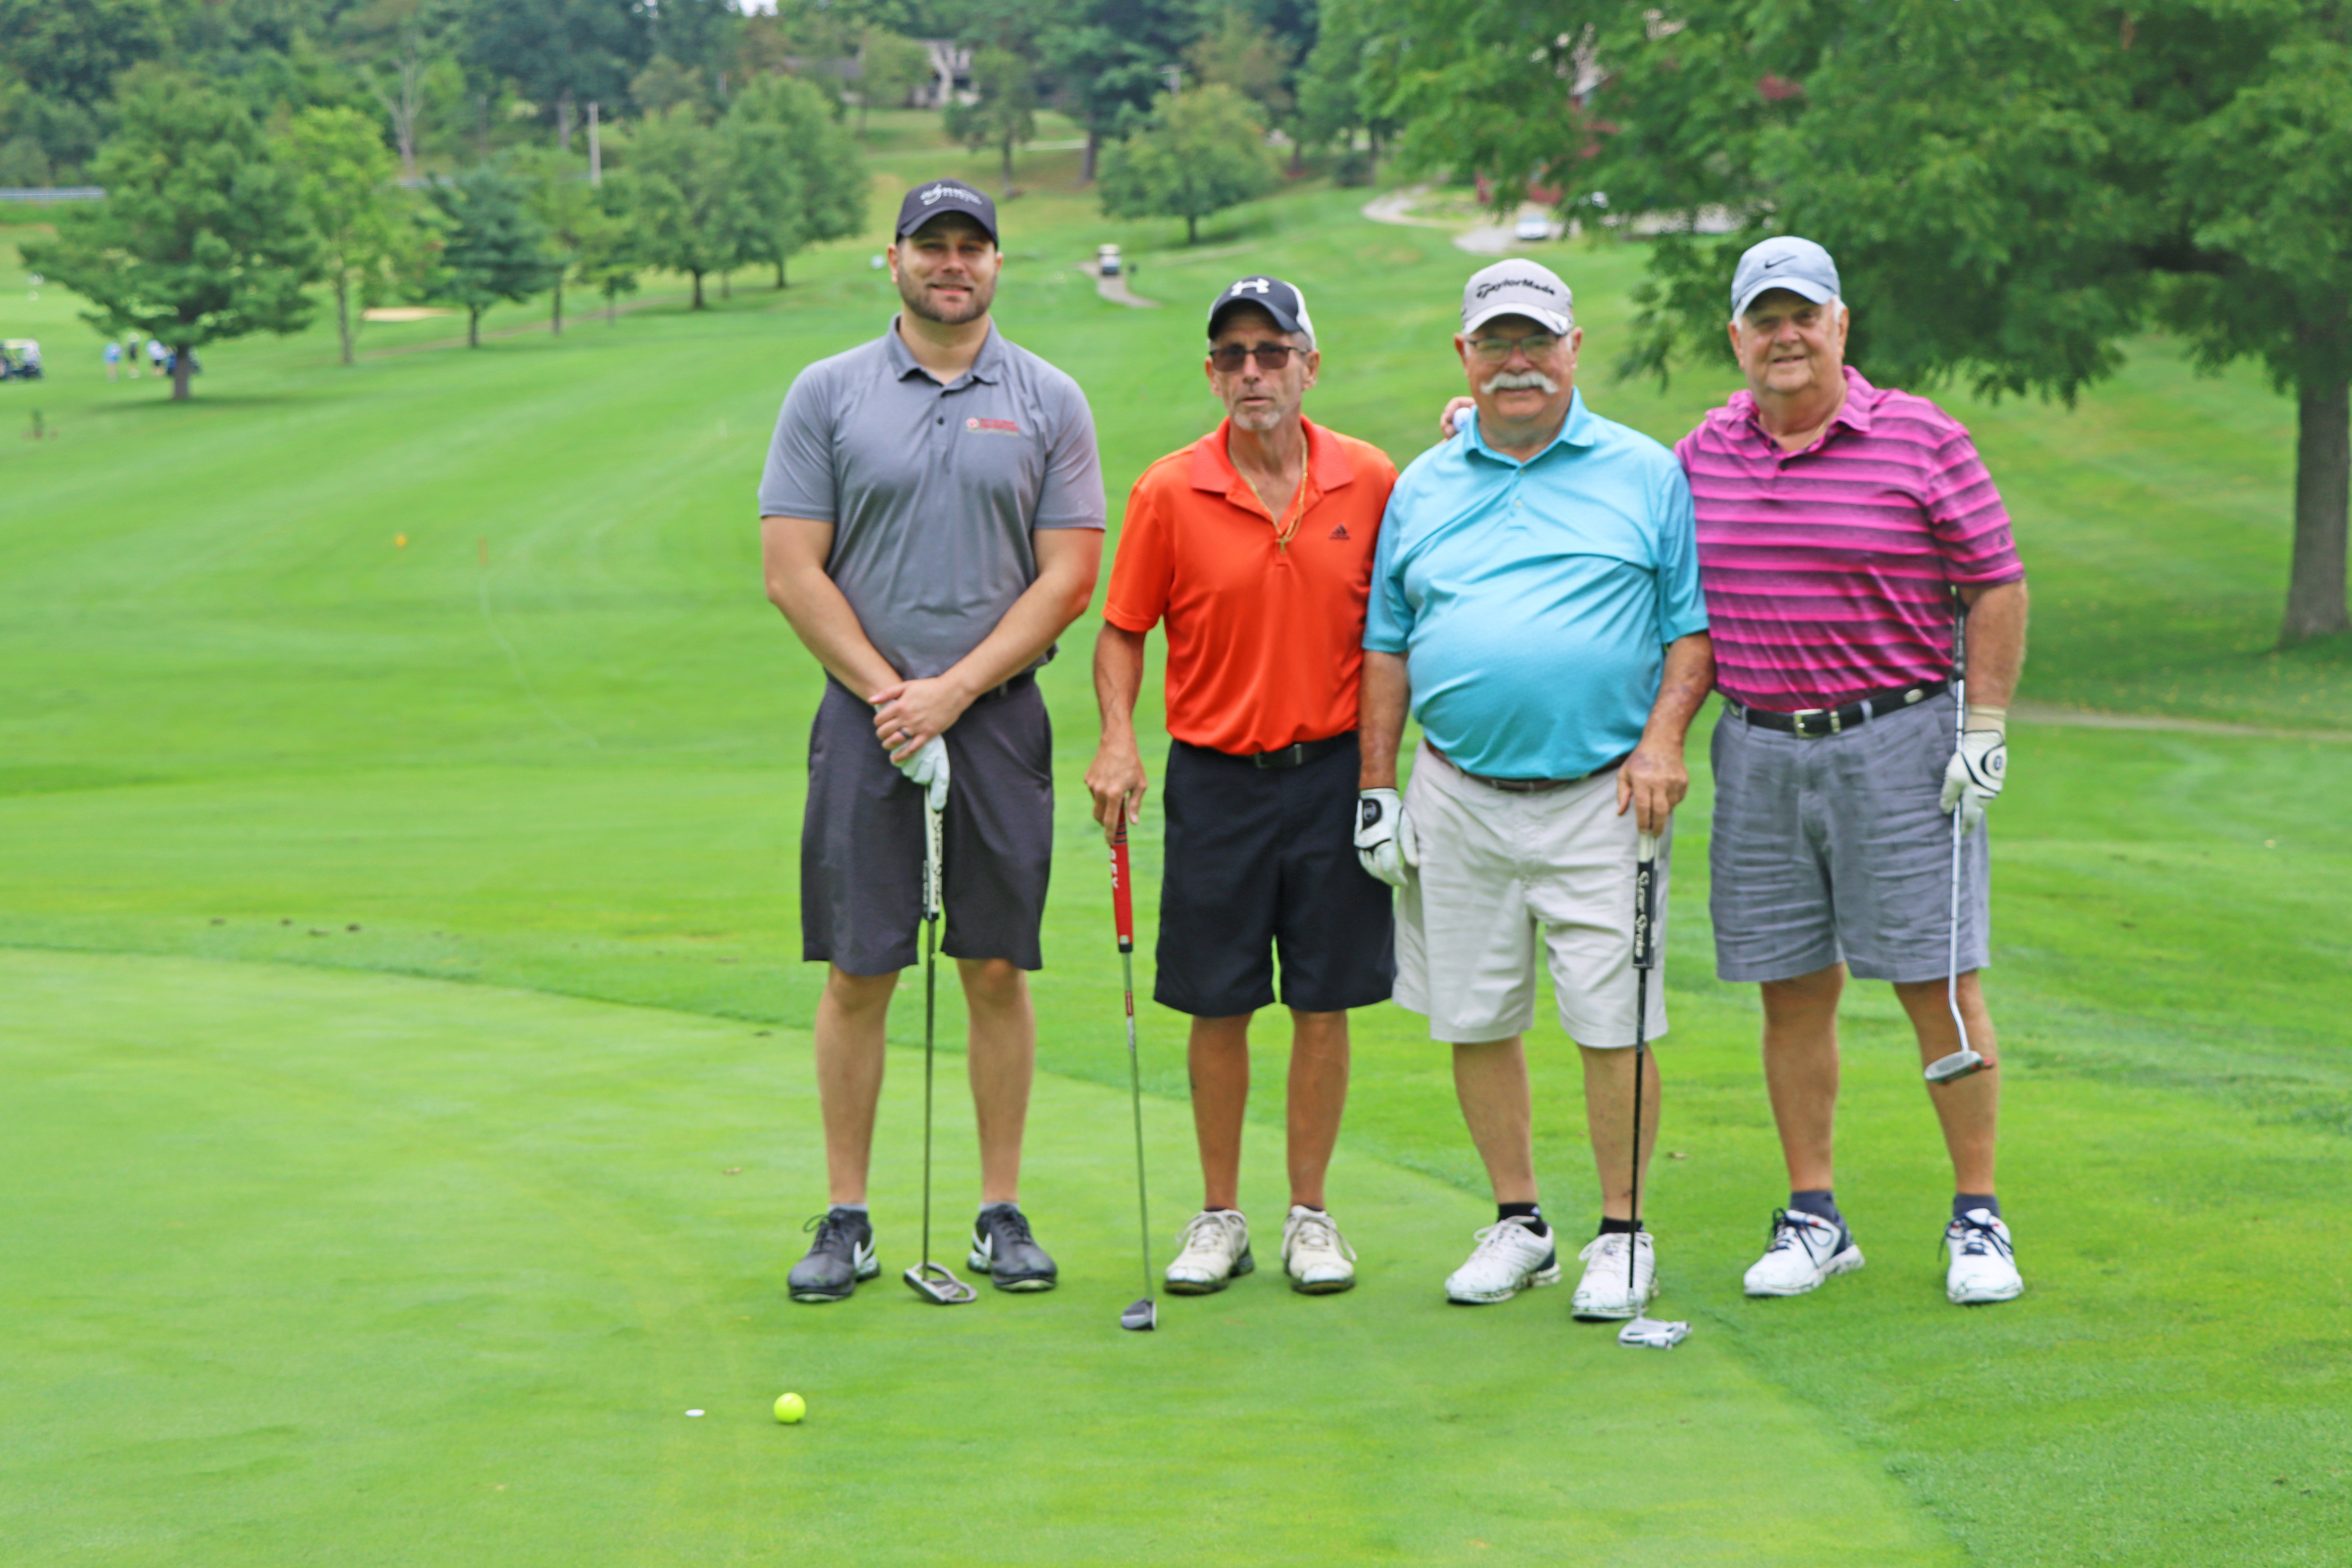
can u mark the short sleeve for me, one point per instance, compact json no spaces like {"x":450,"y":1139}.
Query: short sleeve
{"x":1388,"y":617}
{"x":1144,"y":570}
{"x":1964,"y":513}
{"x":1682,"y":610}
{"x":799,"y":479}
{"x":1072,"y":493}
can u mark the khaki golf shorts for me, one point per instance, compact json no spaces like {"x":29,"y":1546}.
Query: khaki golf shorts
{"x":1504,"y":877}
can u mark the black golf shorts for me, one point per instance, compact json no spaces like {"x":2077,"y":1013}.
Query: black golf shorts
{"x":1260,"y":864}
{"x":862,"y":837}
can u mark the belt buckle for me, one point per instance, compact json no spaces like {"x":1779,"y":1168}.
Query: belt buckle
{"x":1802,"y":718}
{"x":1289,"y":756}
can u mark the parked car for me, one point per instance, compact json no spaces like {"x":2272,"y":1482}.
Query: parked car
{"x":1532,"y":226}
{"x":1107,"y":261}
{"x":20,"y":359}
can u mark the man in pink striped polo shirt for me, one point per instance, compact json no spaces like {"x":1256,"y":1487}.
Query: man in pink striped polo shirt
{"x":1842,"y":530}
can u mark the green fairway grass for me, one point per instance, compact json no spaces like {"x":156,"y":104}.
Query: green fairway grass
{"x":398,"y":949}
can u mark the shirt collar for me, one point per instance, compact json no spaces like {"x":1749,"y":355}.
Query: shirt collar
{"x":1214,"y":470}
{"x":1860,"y":404}
{"x":1576,"y":430}
{"x":988,"y":366}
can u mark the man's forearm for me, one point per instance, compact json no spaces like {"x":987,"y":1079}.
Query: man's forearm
{"x":820,"y":617}
{"x":1386,"y":693}
{"x":1065,"y":581}
{"x":1682,"y":689}
{"x":1997,"y":618}
{"x":1118,"y":680}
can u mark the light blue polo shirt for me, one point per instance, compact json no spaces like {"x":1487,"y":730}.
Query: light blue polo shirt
{"x":1533,"y":601}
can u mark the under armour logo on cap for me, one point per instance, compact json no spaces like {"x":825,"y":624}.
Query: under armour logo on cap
{"x":1260,"y":286}
{"x":1281,"y":300}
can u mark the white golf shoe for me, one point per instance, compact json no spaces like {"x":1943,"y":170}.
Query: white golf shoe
{"x":1984,"y":1261}
{"x":1806,"y":1249}
{"x":1317,"y":1259}
{"x":1605,"y":1293}
{"x":1509,"y":1257}
{"x":1216,"y":1252}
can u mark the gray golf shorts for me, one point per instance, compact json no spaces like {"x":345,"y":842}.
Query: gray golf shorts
{"x":1838,"y":850}
{"x":862,"y":837}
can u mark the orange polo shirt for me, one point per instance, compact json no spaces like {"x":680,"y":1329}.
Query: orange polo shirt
{"x":1265,"y":638}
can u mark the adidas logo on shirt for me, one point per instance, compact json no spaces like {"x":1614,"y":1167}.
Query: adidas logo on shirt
{"x":1338,"y":532}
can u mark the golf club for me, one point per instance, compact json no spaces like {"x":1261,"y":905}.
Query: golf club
{"x":1644,"y":1331}
{"x":1965,"y":1060}
{"x":932,"y":1281}
{"x":1144,"y":1314}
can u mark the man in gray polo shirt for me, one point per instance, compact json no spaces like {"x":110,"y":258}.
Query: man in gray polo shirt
{"x":931,"y":519}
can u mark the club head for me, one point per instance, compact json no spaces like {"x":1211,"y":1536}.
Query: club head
{"x":933,"y":1283}
{"x":1958,"y":1065}
{"x":1652,"y":1333}
{"x":1142,"y":1318}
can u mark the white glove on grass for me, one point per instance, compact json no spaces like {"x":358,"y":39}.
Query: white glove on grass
{"x":1384,"y":839}
{"x":929,"y":768}
{"x":1972,"y":779}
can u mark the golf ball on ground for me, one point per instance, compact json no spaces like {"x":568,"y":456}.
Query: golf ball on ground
{"x":790,"y":1408}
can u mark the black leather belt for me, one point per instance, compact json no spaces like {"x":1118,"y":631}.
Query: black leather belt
{"x":1298,"y":753}
{"x":1526,"y":786}
{"x":1020,"y":682}
{"x":1813,"y":723}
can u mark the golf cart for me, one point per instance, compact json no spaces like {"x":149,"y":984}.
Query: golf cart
{"x":1107,"y":263}
{"x":20,"y":359}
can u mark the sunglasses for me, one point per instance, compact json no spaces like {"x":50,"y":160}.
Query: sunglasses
{"x":1228,"y":357}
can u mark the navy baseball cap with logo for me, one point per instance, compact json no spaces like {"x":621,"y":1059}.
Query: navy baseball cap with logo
{"x":1281,"y":300}
{"x":927,"y":202}
{"x":1783,"y":261}
{"x":1518,"y":288}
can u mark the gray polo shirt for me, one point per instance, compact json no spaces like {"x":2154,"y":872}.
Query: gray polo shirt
{"x":934,"y":491}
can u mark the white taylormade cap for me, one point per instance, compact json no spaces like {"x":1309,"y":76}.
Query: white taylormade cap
{"x":1518,"y":288}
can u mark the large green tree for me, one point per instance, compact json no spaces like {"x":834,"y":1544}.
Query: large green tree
{"x":367,"y":237}
{"x":1002,"y":113}
{"x":2010,"y":192}
{"x":683,"y":196}
{"x":794,"y":174}
{"x":561,"y":53}
{"x":1205,"y":150}
{"x":73,"y":50}
{"x":1112,"y":59}
{"x":492,"y":247}
{"x":201,"y":236}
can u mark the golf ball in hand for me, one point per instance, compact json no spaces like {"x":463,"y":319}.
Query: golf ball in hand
{"x":790,"y":1408}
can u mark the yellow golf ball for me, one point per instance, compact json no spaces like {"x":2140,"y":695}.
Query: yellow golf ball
{"x":790,"y":1408}
{"x":400,"y":541}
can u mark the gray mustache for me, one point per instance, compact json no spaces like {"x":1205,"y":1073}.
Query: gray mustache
{"x":1511,"y":379}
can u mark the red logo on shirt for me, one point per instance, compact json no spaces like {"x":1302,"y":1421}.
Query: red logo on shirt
{"x":993,"y":426}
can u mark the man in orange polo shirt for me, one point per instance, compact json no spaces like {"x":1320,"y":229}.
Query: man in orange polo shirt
{"x":1253,"y":544}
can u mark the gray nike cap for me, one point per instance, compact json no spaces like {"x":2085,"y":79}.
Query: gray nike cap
{"x":1783,"y":261}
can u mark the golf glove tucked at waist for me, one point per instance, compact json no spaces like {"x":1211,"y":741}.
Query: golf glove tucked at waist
{"x":929,"y":768}
{"x":1972,"y":779}
{"x":1384,"y":840}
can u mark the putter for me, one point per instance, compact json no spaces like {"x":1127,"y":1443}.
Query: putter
{"x":1645,"y":1329}
{"x":1967,"y":1059}
{"x":1142,"y":1315}
{"x":932,"y":1281}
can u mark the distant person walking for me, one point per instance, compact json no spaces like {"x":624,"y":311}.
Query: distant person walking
{"x":1253,"y":547}
{"x":1836,"y":522}
{"x":1536,"y":603}
{"x":159,"y":358}
{"x":114,"y":357}
{"x":931,"y":519}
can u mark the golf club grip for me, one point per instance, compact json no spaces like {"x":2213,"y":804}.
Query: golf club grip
{"x":1122,"y":892}
{"x":1645,"y":902}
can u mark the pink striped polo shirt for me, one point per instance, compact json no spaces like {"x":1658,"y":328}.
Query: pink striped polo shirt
{"x":1827,"y":572}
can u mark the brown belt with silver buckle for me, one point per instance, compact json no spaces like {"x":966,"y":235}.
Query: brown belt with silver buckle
{"x":1813,"y":723}
{"x":1526,"y":786}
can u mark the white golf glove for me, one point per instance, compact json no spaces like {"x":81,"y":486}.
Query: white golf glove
{"x":1972,"y":779}
{"x":1384,"y":839}
{"x":929,"y":768}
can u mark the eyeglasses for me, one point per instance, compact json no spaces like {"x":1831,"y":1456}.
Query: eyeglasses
{"x":1228,"y":357}
{"x":1494,"y":350}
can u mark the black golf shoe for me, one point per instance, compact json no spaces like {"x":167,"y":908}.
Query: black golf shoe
{"x":842,"y":1255}
{"x":1001,"y":1243}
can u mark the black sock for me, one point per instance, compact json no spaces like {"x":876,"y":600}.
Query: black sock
{"x":1818,"y":1204}
{"x":1617,"y":1226}
{"x":1523,"y":1211}
{"x":1311,"y":1208}
{"x":1963,"y":1201}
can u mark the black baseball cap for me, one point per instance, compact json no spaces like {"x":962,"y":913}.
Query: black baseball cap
{"x":925,"y":203}
{"x":1281,"y":300}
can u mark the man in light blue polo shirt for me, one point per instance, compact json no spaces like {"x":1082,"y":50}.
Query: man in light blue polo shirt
{"x":1535,"y":604}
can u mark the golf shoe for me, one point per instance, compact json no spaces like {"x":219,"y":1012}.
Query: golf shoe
{"x":1215,"y":1254}
{"x":1002,"y":1244}
{"x":1317,"y":1259}
{"x":1605,"y":1294}
{"x":1509,"y":1257}
{"x":1805,"y":1250}
{"x":842,"y":1255}
{"x":1984,"y":1262}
